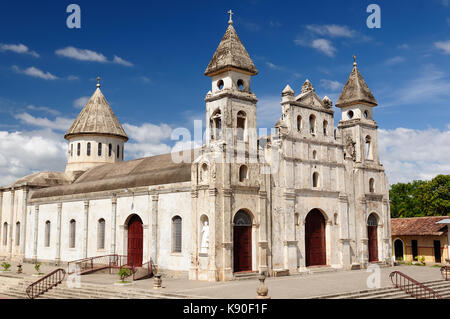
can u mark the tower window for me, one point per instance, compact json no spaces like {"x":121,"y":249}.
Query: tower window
{"x":118,"y":151}
{"x":204,"y":173}
{"x":315,"y":180}
{"x":350,"y":115}
{"x":368,"y":148}
{"x":241,"y":123}
{"x":325,"y":128}
{"x":299,"y":123}
{"x":216,"y":124}
{"x":101,"y":234}
{"x":110,"y":150}
{"x":372,"y":185}
{"x":47,"y":233}
{"x":366,"y":114}
{"x":243,"y":173}
{"x":99,"y":149}
{"x":72,"y":233}
{"x":220,"y":85}
{"x":312,"y":124}
{"x":79,"y":149}
{"x":314,"y":155}
{"x":17,"y":233}
{"x":88,"y":152}
{"x":176,"y":234}
{"x":71,"y":150}
{"x":240,"y":85}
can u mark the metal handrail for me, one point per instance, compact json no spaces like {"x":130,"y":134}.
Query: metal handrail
{"x":412,"y":287}
{"x":148,"y":266}
{"x":445,"y":272}
{"x":46,"y":283}
{"x":91,"y":264}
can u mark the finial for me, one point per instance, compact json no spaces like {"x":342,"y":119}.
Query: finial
{"x":230,"y":22}
{"x":354,"y":60}
{"x":98,"y":82}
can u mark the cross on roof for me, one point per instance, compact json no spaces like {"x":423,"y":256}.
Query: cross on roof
{"x":98,"y":82}
{"x":354,"y":60}
{"x":231,"y":17}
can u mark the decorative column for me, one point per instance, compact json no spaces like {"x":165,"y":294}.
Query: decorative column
{"x":263,"y":243}
{"x":290,"y":243}
{"x":11,"y":222}
{"x":387,"y":234}
{"x":364,"y":236}
{"x":212,"y":269}
{"x":193,"y":270}
{"x":86,"y":229}
{"x":23,"y":229}
{"x":154,"y":218}
{"x":227,"y":242}
{"x":344,"y":233}
{"x":36,"y":229}
{"x":113,"y":224}
{"x":58,"y":234}
{"x":1,"y":209}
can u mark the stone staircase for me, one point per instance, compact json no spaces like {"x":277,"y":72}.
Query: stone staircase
{"x":440,"y":286}
{"x":246,"y":275}
{"x":17,"y":290}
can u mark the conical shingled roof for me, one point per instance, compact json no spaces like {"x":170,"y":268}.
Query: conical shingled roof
{"x":231,"y":53}
{"x":356,"y":91}
{"x":97,"y":117}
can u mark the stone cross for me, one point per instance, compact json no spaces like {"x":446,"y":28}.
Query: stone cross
{"x":231,"y":17}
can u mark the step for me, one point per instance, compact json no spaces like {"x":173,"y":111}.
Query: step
{"x":245,"y":275}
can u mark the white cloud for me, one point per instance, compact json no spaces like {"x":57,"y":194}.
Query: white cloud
{"x":409,"y":154}
{"x":331,"y":30}
{"x":60,"y":123}
{"x":80,"y":102}
{"x":394,"y":60}
{"x":24,"y":153}
{"x":331,"y":85}
{"x":81,"y":54}
{"x":274,"y":66}
{"x":43,"y":109}
{"x":325,"y":46}
{"x":119,"y":60}
{"x":403,"y":46}
{"x":35,"y":72}
{"x":444,"y":46}
{"x":18,"y":48}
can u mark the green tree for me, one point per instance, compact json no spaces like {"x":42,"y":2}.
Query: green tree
{"x":404,"y":202}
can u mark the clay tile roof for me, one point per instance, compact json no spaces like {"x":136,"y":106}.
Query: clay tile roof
{"x":418,"y":226}
{"x":42,"y":179}
{"x":97,"y":117}
{"x":231,"y":53}
{"x":356,"y":91}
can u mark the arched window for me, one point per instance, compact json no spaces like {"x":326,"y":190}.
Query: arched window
{"x":72,"y":233}
{"x":316,"y":179}
{"x":243,"y":173}
{"x":176,"y":234}
{"x":17,"y":233}
{"x":216,"y":124}
{"x":314,"y":155}
{"x":88,"y":152}
{"x":312,"y":124}
{"x":241,"y":124}
{"x":110,"y":150}
{"x":47,"y":233}
{"x":368,"y":148}
{"x":118,"y":151}
{"x":101,"y":234}
{"x":371,"y":185}
{"x":325,"y":128}
{"x":372,"y":220}
{"x":99,"y":149}
{"x":299,"y":123}
{"x":78,"y":149}
{"x":220,"y":84}
{"x":5,"y":234}
{"x":204,"y":173}
{"x":240,"y":85}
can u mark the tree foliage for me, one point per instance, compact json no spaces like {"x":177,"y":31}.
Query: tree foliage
{"x":421,"y":198}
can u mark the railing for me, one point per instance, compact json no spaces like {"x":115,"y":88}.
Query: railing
{"x":88,"y":265}
{"x":445,"y":272}
{"x":143,"y":272}
{"x":46,"y":283}
{"x":412,"y":287}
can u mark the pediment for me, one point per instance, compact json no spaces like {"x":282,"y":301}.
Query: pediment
{"x":310,"y":99}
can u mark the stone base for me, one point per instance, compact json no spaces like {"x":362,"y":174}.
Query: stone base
{"x":279,"y":272}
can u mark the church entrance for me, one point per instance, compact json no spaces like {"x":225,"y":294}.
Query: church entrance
{"x":372,"y":227}
{"x":242,"y":242}
{"x":135,"y":241}
{"x":315,"y":245}
{"x":398,"y":249}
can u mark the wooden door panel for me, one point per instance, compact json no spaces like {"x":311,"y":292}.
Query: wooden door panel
{"x":242,"y":249}
{"x":373,"y":243}
{"x":315,"y":245}
{"x":135,"y":241}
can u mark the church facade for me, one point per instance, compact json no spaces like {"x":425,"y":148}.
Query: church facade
{"x":306,"y":195}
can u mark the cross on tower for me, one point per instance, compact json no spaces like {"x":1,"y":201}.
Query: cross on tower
{"x":98,"y":82}
{"x":231,"y":17}
{"x":354,"y":60}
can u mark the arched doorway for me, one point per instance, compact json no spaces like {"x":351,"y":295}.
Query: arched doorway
{"x":315,"y":245}
{"x":242,"y":242}
{"x":398,"y":250}
{"x":135,"y":241}
{"x":372,"y":225}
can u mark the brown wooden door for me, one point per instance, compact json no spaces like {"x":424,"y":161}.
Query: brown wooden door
{"x":242,"y":248}
{"x":373,"y":243}
{"x":315,"y":239}
{"x":135,"y":241}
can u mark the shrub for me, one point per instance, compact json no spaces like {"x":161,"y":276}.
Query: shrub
{"x":6,"y":266}
{"x":37,"y":267}
{"x":124,"y":273}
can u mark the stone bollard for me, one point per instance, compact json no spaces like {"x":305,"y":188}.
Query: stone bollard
{"x":157,"y":282}
{"x":262,"y":290}
{"x":19,"y":269}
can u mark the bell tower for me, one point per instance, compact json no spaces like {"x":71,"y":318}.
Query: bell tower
{"x":230,"y":104}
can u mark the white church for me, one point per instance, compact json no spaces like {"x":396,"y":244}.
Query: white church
{"x":309,"y":195}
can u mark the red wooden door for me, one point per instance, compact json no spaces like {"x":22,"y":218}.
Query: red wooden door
{"x":242,"y":248}
{"x":315,"y":239}
{"x":373,"y":245}
{"x":135,"y":241}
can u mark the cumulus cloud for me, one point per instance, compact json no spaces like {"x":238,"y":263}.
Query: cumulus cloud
{"x":80,"y":102}
{"x":409,"y":154}
{"x":45,"y":109}
{"x":444,"y":46}
{"x":331,"y":30}
{"x":18,"y":48}
{"x":394,"y":60}
{"x":60,"y":123}
{"x":90,"y":56}
{"x":331,"y":85}
{"x":35,"y":72}
{"x":119,"y":60}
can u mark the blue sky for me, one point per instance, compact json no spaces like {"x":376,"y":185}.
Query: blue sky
{"x":151,"y":57}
